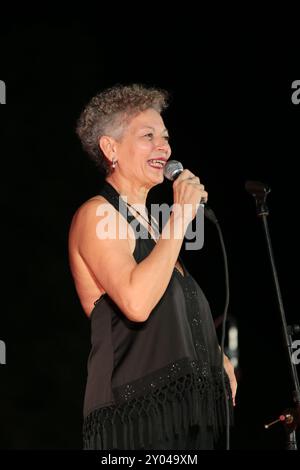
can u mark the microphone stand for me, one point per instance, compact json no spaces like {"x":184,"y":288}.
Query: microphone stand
{"x":290,"y":418}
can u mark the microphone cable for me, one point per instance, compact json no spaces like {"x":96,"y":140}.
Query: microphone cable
{"x":209,"y":213}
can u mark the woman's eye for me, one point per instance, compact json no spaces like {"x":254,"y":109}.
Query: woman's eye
{"x":150,"y":136}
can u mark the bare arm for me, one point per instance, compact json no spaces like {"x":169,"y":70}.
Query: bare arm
{"x":135,"y":288}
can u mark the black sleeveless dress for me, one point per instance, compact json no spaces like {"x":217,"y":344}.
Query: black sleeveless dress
{"x":155,"y":384}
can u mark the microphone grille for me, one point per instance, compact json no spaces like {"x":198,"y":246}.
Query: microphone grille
{"x":172,"y":169}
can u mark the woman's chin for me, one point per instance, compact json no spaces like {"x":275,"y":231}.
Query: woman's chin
{"x":157,"y":176}
{"x":158,"y":180}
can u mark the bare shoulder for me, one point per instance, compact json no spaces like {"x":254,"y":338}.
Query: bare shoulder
{"x":100,"y":221}
{"x":88,"y":208}
{"x":88,"y":213}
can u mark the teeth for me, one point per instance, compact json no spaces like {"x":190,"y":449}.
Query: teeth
{"x":157,"y":161}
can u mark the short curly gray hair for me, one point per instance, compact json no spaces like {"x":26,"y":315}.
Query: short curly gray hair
{"x":109,"y":111}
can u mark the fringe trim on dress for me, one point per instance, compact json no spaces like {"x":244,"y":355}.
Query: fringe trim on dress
{"x":159,"y":415}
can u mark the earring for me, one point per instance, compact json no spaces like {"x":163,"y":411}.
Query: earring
{"x":113,"y":164}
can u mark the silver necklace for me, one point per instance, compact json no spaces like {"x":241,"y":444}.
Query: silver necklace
{"x":155,"y":226}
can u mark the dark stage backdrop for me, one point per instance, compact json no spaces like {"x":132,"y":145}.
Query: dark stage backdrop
{"x":231,"y":119}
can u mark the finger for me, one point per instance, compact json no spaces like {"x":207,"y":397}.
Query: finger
{"x":194,"y":179}
{"x":184,"y":175}
{"x":204,"y":197}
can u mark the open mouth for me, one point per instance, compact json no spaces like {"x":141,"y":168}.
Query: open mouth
{"x":156,"y":163}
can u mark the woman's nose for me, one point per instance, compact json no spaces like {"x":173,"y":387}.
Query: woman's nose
{"x":162,"y":143}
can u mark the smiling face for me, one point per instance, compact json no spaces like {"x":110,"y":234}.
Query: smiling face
{"x":143,"y":149}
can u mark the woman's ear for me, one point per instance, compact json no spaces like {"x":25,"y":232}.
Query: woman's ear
{"x":107,"y":145}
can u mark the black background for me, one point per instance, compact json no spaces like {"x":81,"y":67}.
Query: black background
{"x":231,"y":119}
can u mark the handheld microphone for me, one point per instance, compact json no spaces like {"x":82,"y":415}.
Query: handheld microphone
{"x":172,"y":170}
